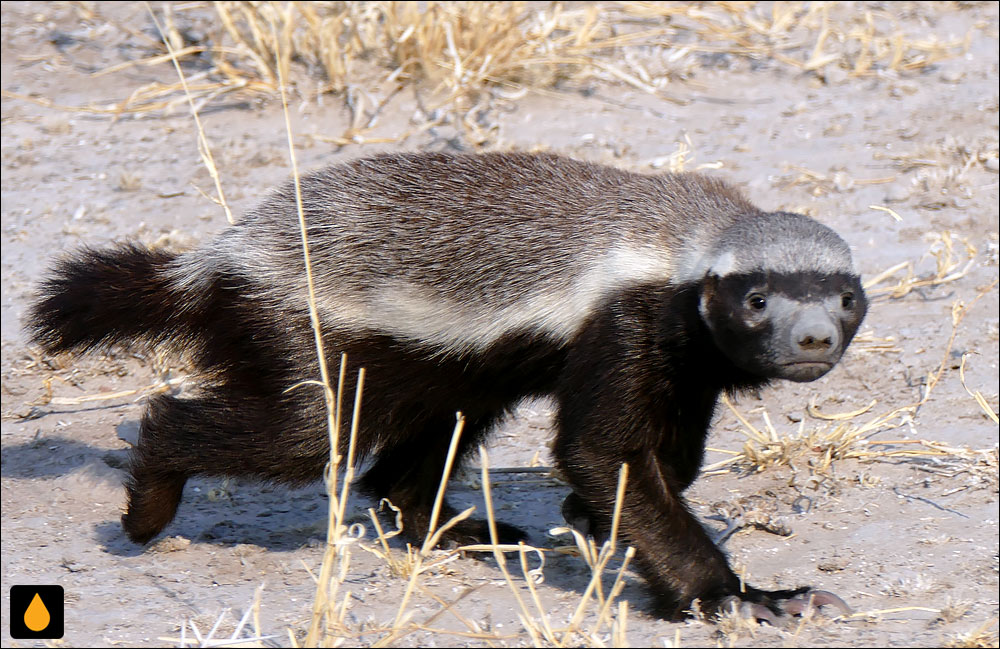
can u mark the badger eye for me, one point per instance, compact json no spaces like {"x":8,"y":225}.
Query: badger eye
{"x":757,"y":302}
{"x":847,"y":300}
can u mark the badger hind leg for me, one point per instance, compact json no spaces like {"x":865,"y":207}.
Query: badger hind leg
{"x":222,"y":432}
{"x":153,"y":498}
{"x":408,"y":474}
{"x":156,"y":474}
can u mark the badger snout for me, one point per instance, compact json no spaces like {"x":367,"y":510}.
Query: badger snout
{"x":814,"y":333}
{"x":814,"y":344}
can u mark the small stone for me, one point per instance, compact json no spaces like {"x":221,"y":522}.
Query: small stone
{"x":902,"y":89}
{"x":842,"y":182}
{"x":993,"y":164}
{"x":834,"y":130}
{"x":170,"y":544}
{"x":795,"y":109}
{"x":835,"y":564}
{"x":835,"y":75}
{"x":952,"y":76}
{"x":897,"y":193}
{"x":795,"y":416}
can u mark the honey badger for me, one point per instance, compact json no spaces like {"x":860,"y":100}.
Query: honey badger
{"x":468,"y":283}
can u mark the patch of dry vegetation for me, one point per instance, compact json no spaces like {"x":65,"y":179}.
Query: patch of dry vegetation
{"x":598,"y":613}
{"x":939,"y":171}
{"x":468,"y":56}
{"x":950,"y":265}
{"x":980,"y":637}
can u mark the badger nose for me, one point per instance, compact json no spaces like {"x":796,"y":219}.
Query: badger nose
{"x":814,"y":332}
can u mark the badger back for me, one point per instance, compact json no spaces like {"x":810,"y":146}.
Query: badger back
{"x":460,"y":250}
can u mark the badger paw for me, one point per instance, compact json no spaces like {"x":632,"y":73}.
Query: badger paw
{"x":772,"y":606}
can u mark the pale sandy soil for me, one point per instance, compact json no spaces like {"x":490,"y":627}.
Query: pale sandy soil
{"x":915,"y":537}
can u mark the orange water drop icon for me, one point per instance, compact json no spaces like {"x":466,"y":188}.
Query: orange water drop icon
{"x":36,"y":617}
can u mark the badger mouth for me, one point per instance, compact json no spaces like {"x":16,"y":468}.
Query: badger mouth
{"x":803,"y":371}
{"x":807,"y":364}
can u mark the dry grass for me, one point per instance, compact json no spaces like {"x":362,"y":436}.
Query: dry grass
{"x":938,"y":172}
{"x":818,"y":184}
{"x":239,"y":636}
{"x":172,"y":41}
{"x":467,"y":57}
{"x":976,"y":394}
{"x":980,"y":637}
{"x":329,"y":626}
{"x":949,"y":266}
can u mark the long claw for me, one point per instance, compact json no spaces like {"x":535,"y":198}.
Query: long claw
{"x":760,"y":612}
{"x":752,"y":610}
{"x":815,"y":598}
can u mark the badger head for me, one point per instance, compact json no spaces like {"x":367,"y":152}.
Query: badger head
{"x":780,"y":296}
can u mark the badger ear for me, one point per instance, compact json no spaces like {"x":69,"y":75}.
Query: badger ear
{"x":723,"y":264}
{"x":707,"y":292}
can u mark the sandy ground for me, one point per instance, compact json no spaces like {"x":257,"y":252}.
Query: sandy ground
{"x":912,"y":540}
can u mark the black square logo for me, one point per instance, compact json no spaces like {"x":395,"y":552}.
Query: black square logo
{"x":36,"y":612}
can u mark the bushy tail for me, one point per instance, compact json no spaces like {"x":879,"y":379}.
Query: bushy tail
{"x":96,"y":298}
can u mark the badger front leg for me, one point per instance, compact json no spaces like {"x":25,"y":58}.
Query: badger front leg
{"x":622,"y":400}
{"x":676,"y":557}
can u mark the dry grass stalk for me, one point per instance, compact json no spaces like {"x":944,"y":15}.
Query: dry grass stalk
{"x":683,"y":156}
{"x":419,"y":563}
{"x":448,"y":607}
{"x":819,"y":184}
{"x":204,"y":149}
{"x":400,"y":626}
{"x":867,"y":342}
{"x":535,"y":630}
{"x":949,"y":267}
{"x":977,"y":395}
{"x":598,"y":563}
{"x":203,"y":92}
{"x":336,"y":555}
{"x":877,"y":615}
{"x":399,"y":568}
{"x":238,"y":638}
{"x":339,"y":536}
{"x":887,"y":210}
{"x":158,"y":387}
{"x":537,"y":624}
